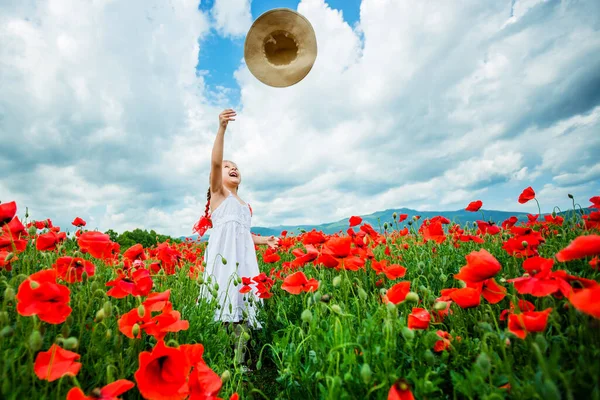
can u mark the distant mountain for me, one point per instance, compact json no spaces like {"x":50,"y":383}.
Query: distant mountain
{"x":378,"y":218}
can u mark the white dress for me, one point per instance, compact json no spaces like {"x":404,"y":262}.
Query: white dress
{"x":230,"y":238}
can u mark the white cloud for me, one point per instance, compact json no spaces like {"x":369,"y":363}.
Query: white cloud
{"x":420,"y":104}
{"x":232,"y":17}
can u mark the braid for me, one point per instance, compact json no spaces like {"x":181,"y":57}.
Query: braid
{"x":207,"y":202}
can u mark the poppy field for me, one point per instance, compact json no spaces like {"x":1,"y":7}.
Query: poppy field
{"x":412,"y":309}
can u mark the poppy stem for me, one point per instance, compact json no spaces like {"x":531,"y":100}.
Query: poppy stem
{"x":539,"y":209}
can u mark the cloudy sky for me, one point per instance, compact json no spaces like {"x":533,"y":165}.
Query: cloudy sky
{"x":108,"y":109}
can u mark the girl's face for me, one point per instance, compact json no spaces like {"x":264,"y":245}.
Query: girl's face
{"x":231,"y":174}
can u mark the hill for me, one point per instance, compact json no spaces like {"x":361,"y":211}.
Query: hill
{"x":378,"y":218}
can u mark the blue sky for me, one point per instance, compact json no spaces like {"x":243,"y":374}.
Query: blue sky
{"x":108,"y":110}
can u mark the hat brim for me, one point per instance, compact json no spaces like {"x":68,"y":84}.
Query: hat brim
{"x":286,"y":20}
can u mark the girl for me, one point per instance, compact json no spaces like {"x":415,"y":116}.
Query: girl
{"x":230,"y":252}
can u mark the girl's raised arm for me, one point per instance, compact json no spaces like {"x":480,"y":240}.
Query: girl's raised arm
{"x":216,"y":166}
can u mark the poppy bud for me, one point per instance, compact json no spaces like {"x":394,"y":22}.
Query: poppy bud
{"x":108,"y":334}
{"x":336,"y":309}
{"x":440,"y":305}
{"x":6,"y":331}
{"x":362,"y":294}
{"x":385,"y":226}
{"x":429,"y":357}
{"x":326,"y":298}
{"x":9,"y":294}
{"x":412,"y":297}
{"x":35,"y":340}
{"x":107,"y":307}
{"x":141,"y":310}
{"x":347,"y":376}
{"x":200,"y":279}
{"x":224,"y":260}
{"x":410,"y":223}
{"x":34,"y":285}
{"x":246,"y":336}
{"x":408,"y":333}
{"x":135,"y":330}
{"x":524,"y":244}
{"x":443,"y":277}
{"x":483,"y":362}
{"x":391,"y":307}
{"x":100,"y":315}
{"x":225,"y":376}
{"x":570,"y":196}
{"x":336,"y":281}
{"x":306,"y":316}
{"x":71,"y":343}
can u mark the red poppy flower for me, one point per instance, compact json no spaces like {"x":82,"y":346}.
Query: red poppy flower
{"x":7,"y":212}
{"x":419,"y":318}
{"x":402,"y":217}
{"x":71,"y":269}
{"x":4,"y":264}
{"x":354,"y":220}
{"x":531,"y":321}
{"x":303,"y":258}
{"x":15,"y":228}
{"x":167,"y":321}
{"x":581,"y":247}
{"x":466,"y":297}
{"x":298,"y":283}
{"x":112,"y":391}
{"x":203,"y":224}
{"x":137,"y":283}
{"x":98,"y":244}
{"x":204,"y":383}
{"x":523,"y":305}
{"x":313,"y":237}
{"x":397,"y":293}
{"x":587,"y":301}
{"x":474,"y":206}
{"x":135,"y":252}
{"x":40,"y":295}
{"x":526,"y":195}
{"x":270,"y":256}
{"x":129,"y":319}
{"x":78,"y":222}
{"x":481,"y":266}
{"x":246,"y":282}
{"x":444,"y":343}
{"x":400,"y":391}
{"x":337,"y":251}
{"x":432,"y":230}
{"x":47,"y":241}
{"x":510,"y":222}
{"x":393,"y":271}
{"x":492,"y":291}
{"x":163,"y":373}
{"x":595,"y":202}
{"x":55,"y":363}
{"x":157,"y":301}
{"x":556,"y":220}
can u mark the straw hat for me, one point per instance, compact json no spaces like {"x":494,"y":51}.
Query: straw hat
{"x":280,"y":48}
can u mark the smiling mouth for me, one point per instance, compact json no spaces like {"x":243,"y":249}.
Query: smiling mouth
{"x":233,"y":174}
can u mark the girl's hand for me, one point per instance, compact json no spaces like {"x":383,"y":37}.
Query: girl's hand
{"x":273,"y":242}
{"x":226,"y":116}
